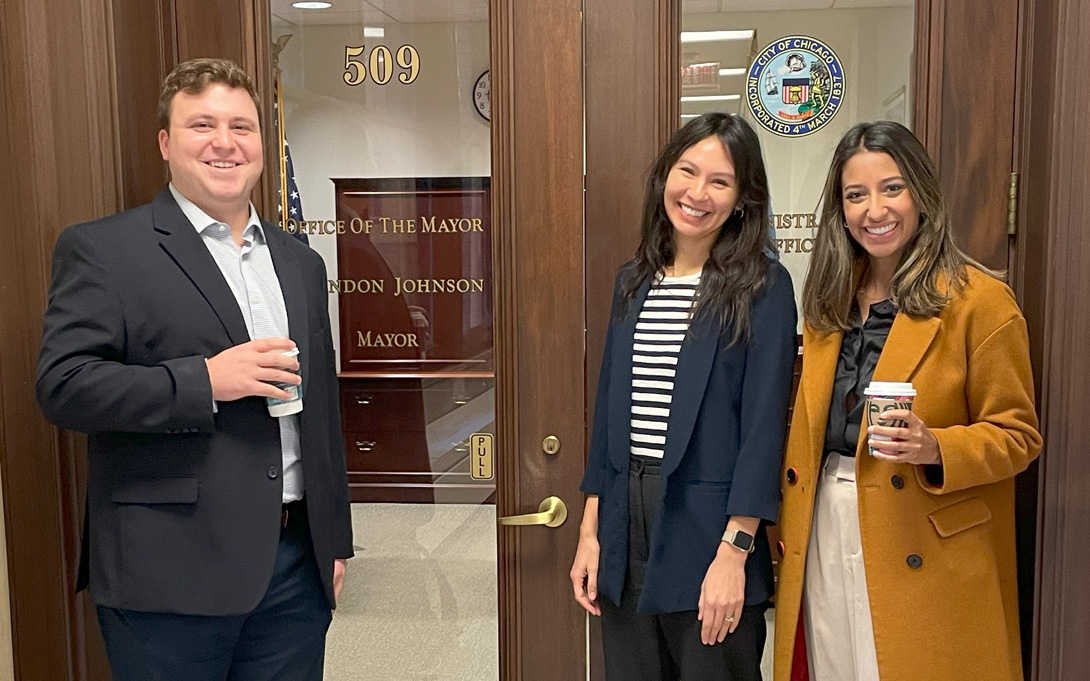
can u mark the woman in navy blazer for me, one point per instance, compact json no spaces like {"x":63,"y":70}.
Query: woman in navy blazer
{"x":689,"y":424}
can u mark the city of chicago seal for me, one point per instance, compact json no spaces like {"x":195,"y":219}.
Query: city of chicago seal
{"x":795,"y":86}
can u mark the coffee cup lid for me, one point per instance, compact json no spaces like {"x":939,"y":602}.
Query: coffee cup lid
{"x":888,"y":388}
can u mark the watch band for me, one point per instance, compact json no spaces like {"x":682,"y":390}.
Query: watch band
{"x":743,"y":541}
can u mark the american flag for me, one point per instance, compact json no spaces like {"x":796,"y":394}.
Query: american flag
{"x":294,"y":203}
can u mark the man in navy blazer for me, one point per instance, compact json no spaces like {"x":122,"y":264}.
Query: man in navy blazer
{"x":215,"y":535}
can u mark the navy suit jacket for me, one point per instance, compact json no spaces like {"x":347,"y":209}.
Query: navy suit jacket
{"x":183,"y":504}
{"x":724,"y":448}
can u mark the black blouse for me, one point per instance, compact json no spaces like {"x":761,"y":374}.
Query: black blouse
{"x":859,"y":353}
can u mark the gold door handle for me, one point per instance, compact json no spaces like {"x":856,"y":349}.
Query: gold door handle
{"x":551,"y":513}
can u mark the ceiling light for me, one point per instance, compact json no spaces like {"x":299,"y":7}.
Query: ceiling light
{"x":311,"y":5}
{"x":374,"y":32}
{"x":711,"y":98}
{"x":690,"y":115}
{"x":712,"y":36}
{"x":732,"y":72}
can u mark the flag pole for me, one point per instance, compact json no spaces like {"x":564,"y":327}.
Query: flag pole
{"x":282,"y":155}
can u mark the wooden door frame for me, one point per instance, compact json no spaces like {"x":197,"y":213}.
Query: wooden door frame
{"x":537,"y":219}
{"x":1051,"y":249}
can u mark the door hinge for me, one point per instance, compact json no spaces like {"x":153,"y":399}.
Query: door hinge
{"x":1012,"y":205}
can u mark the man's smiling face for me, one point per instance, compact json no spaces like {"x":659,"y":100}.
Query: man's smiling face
{"x":213,"y":148}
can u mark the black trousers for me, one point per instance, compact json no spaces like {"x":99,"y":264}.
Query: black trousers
{"x":283,"y":639}
{"x":666,"y":646}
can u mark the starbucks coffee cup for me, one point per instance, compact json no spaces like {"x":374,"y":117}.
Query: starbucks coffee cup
{"x":882,"y":397}
{"x":292,"y":405}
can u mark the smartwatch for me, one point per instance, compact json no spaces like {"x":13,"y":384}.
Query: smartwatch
{"x":740,"y":540}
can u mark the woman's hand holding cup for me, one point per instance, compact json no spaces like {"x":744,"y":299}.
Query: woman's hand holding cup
{"x":914,"y":443}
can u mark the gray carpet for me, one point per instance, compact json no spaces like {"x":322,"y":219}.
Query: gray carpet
{"x":419,"y":602}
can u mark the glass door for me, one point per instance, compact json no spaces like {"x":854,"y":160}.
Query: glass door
{"x":384,"y":111}
{"x":451,"y":233}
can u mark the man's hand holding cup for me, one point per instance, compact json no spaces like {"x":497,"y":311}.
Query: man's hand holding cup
{"x":250,"y":369}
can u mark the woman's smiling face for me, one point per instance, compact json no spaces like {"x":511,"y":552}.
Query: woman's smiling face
{"x":701,"y":191}
{"x":878,"y":208}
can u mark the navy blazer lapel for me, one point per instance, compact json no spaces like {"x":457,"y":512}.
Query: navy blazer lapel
{"x":694,"y":366}
{"x":620,"y":381}
{"x":183,"y":244}
{"x":289,"y":272}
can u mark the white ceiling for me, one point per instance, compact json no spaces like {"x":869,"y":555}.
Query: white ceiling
{"x":379,"y":12}
{"x":382,"y":12}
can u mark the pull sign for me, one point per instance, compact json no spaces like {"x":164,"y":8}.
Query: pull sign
{"x":480,"y":456}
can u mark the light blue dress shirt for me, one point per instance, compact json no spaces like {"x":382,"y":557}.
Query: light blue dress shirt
{"x":250,"y":273}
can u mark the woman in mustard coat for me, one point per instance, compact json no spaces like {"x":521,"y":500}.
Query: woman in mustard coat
{"x":900,"y":565}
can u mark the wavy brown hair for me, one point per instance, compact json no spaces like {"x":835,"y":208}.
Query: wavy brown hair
{"x":932,"y":267}
{"x":195,"y":76}
{"x":737,"y":266}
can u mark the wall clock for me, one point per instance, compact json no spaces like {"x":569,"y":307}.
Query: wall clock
{"x":482,"y":91}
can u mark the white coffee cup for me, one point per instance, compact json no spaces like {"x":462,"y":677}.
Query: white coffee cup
{"x":292,"y":405}
{"x":882,"y":397}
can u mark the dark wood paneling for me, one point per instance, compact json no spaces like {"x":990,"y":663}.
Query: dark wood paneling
{"x":927,"y":74}
{"x":628,"y":119}
{"x":57,"y":136}
{"x":1053,"y":249}
{"x":144,"y":46}
{"x":537,"y":162}
{"x":966,"y":94}
{"x":209,"y":28}
{"x":238,"y":30}
{"x":257,"y":60}
{"x":1032,"y":134}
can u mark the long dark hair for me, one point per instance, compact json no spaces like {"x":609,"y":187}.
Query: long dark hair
{"x":737,"y":266}
{"x":932,"y":266}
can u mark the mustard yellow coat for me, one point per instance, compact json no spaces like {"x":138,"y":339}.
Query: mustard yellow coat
{"x":955,"y":616}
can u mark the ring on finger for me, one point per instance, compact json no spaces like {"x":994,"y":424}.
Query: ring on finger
{"x":729,"y":618}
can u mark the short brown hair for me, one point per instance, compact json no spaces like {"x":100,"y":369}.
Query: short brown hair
{"x":195,"y":75}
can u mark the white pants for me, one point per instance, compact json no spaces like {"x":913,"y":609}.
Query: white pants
{"x":839,"y":637}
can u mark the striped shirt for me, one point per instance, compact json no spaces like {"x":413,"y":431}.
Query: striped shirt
{"x":660,"y":330}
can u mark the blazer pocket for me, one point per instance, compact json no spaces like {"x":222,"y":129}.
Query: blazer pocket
{"x":165,"y":490}
{"x":959,"y":517}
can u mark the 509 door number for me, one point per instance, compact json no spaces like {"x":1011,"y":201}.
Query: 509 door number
{"x":380,"y":64}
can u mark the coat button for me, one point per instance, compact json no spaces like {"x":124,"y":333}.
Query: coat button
{"x":781,"y":548}
{"x":897,"y":481}
{"x":792,"y":476}
{"x":273,"y":472}
{"x":914,"y":561}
